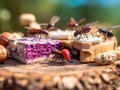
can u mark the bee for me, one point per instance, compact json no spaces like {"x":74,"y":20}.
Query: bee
{"x":73,"y":24}
{"x":64,"y":54}
{"x":51,"y":24}
{"x":84,"y":29}
{"x":37,"y":32}
{"x":107,"y":33}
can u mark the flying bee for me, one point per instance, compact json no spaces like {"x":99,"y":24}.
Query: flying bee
{"x":73,"y":24}
{"x":51,"y":24}
{"x":84,"y":29}
{"x":37,"y":32}
{"x":107,"y":33}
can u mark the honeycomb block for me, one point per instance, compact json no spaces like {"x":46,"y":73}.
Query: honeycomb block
{"x":29,"y":50}
{"x":89,"y":50}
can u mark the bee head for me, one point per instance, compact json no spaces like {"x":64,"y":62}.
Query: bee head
{"x":101,"y":30}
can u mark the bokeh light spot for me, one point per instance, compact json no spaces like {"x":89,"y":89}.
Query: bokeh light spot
{"x":5,"y":15}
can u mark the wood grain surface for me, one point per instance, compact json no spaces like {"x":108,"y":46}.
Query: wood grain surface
{"x":43,"y":67}
{"x":56,"y":76}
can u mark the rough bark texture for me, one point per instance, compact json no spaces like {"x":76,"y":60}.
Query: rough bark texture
{"x":42,"y":76}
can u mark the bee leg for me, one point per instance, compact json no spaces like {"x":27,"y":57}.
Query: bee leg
{"x":56,"y":57}
{"x":65,"y":62}
{"x":86,"y":36}
{"x":79,"y":36}
{"x":105,"y":38}
{"x":40,"y":36}
{"x":53,"y":58}
{"x":96,"y":32}
{"x":92,"y":34}
{"x":43,"y":36}
{"x":46,"y":37}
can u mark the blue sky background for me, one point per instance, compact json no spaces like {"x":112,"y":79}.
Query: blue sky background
{"x":76,"y":3}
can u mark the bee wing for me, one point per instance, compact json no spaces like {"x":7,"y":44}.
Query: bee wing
{"x":43,"y":23}
{"x":92,"y":23}
{"x":79,"y":27}
{"x":54,"y":19}
{"x":72,"y":20}
{"x":81,"y":20}
{"x":103,"y":26}
{"x":114,"y":27}
{"x":27,"y":27}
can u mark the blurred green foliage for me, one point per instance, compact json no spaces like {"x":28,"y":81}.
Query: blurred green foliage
{"x":92,"y":10}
